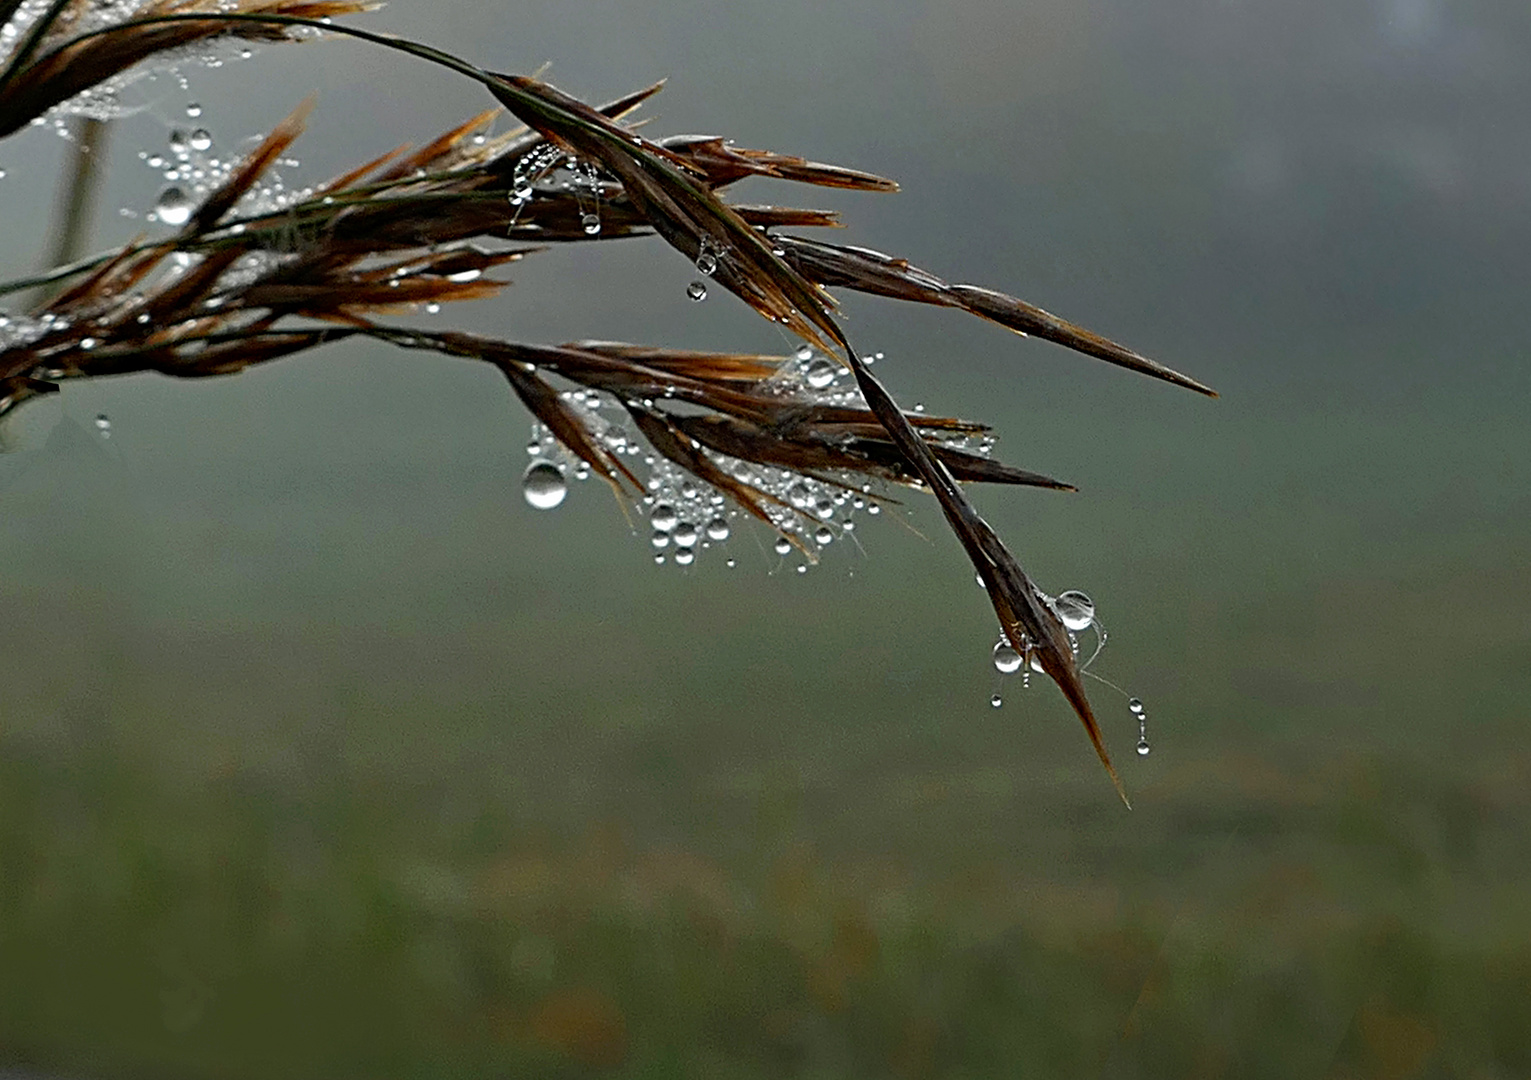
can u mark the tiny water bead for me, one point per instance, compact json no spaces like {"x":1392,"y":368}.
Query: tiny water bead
{"x":543,"y":485}
{"x":804,"y":353}
{"x":684,"y":556}
{"x":1006,"y":660}
{"x":996,"y":701}
{"x":706,"y":263}
{"x":823,"y":536}
{"x":820,"y":374}
{"x":685,"y":534}
{"x":717,"y":529}
{"x":663,"y":518}
{"x":1075,"y":609}
{"x":201,"y":139}
{"x":782,"y":546}
{"x":173,"y":206}
{"x":660,"y":539}
{"x":193,"y":110}
{"x":697,"y":291}
{"x":104,"y":425}
{"x":591,"y":224}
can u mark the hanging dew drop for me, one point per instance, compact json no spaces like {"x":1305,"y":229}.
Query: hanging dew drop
{"x":717,"y":529}
{"x":177,"y":142}
{"x":697,"y":291}
{"x":782,"y":546}
{"x":103,"y":424}
{"x":823,"y":536}
{"x":173,"y":206}
{"x":1075,"y":609}
{"x":543,"y":485}
{"x":685,"y":534}
{"x":996,"y":701}
{"x":1135,"y":707}
{"x":591,"y":224}
{"x":1006,"y":660}
{"x":660,"y":539}
{"x":804,"y":353}
{"x":684,"y":556}
{"x":193,"y":110}
{"x":663,"y":518}
{"x":201,"y":139}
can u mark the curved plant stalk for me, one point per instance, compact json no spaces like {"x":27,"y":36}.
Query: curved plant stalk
{"x":399,"y":232}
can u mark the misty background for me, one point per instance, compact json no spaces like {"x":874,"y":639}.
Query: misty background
{"x":299,"y":626}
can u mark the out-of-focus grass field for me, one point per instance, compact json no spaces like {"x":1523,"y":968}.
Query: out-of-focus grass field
{"x":1332,"y":918}
{"x":414,"y":785}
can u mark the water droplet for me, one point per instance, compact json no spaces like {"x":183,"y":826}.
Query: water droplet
{"x":89,"y":343}
{"x":706,"y":264}
{"x":543,"y":485}
{"x":591,"y":224}
{"x":685,"y":534}
{"x":201,"y":139}
{"x":802,"y":568}
{"x":697,"y":291}
{"x":663,"y":518}
{"x":1075,"y":609}
{"x":1135,"y":707}
{"x":782,"y":546}
{"x":823,"y":536}
{"x":799,"y":495}
{"x":731,"y":563}
{"x":919,"y":406}
{"x":873,"y":509}
{"x":658,"y":560}
{"x":804,"y":353}
{"x":717,"y":529}
{"x":1143,"y":747}
{"x":173,"y":206}
{"x":660,"y":539}
{"x":471,"y":274}
{"x":820,"y":373}
{"x":2,"y":174}
{"x":825,"y":509}
{"x":1006,"y":660}
{"x":433,"y":308}
{"x":996,"y":701}
{"x":103,"y":424}
{"x":193,"y":110}
{"x":684,"y":556}
{"x":177,"y":142}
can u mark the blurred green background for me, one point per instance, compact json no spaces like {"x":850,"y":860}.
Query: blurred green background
{"x":322,"y":755}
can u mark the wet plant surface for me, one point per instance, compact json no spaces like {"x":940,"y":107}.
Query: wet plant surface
{"x":351,"y":727}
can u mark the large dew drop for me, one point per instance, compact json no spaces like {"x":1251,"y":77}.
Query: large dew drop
{"x":543,"y":485}
{"x":1006,"y":660}
{"x":697,"y":291}
{"x":1075,"y":609}
{"x":173,"y":206}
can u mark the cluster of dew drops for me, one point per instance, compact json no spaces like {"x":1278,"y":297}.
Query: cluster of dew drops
{"x":685,"y":516}
{"x":1077,"y":613}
